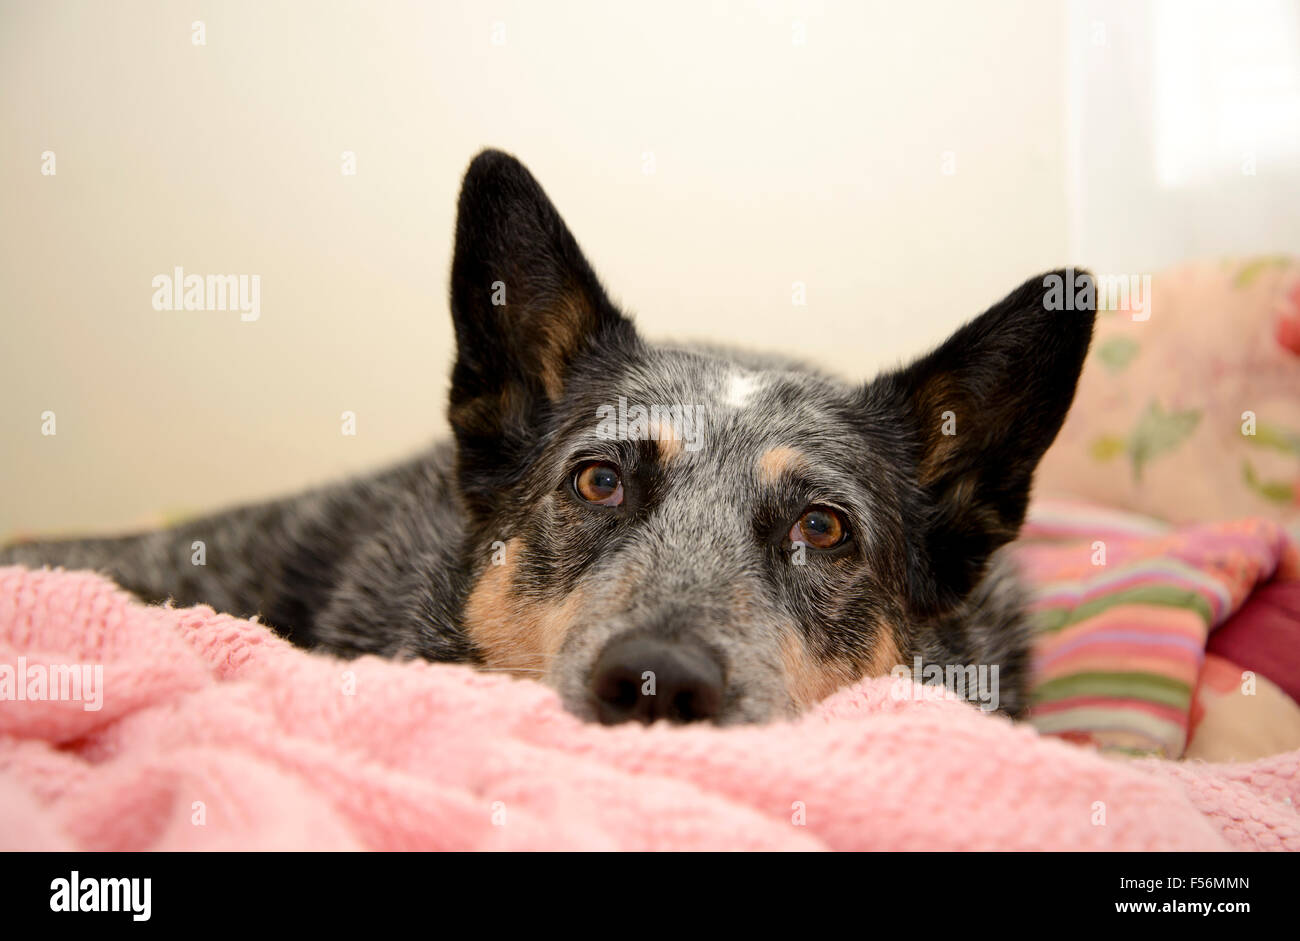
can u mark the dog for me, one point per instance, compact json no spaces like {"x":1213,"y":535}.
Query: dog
{"x":682,"y":532}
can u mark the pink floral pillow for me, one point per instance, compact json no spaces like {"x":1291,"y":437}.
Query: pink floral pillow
{"x":1189,"y":404}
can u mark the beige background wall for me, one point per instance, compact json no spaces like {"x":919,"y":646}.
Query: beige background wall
{"x":774,"y":162}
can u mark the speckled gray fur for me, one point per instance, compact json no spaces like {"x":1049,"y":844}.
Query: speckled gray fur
{"x":385,"y":564}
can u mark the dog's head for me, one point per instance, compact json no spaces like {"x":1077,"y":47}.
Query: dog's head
{"x":668,"y":531}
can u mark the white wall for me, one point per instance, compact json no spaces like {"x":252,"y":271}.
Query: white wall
{"x":775,"y":162}
{"x":1184,"y":130}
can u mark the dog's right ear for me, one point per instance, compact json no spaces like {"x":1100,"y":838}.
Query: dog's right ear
{"x":525,"y":304}
{"x":981,"y":410}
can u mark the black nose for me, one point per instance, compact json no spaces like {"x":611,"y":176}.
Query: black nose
{"x":645,"y":679}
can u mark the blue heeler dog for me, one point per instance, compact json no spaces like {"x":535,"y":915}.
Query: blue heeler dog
{"x":656,"y":531}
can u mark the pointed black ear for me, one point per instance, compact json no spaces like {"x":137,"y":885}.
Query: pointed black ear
{"x":525,"y":304}
{"x":984,"y":407}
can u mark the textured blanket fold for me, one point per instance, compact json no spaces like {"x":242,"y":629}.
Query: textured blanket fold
{"x":1125,"y":606}
{"x":211,"y":733}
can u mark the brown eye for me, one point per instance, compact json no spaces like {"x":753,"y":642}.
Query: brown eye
{"x":599,"y":483}
{"x":820,"y":527}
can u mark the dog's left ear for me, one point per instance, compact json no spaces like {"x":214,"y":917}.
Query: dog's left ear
{"x":982,"y":409}
{"x":526,"y":306}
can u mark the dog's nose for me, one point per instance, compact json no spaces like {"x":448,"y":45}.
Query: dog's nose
{"x":645,"y":679}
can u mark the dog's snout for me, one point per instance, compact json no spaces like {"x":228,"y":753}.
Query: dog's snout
{"x":645,"y":678}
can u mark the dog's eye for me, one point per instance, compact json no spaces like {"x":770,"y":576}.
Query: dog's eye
{"x":820,"y":527}
{"x":598,"y":482}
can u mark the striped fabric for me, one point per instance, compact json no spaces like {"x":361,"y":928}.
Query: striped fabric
{"x":1124,"y":605}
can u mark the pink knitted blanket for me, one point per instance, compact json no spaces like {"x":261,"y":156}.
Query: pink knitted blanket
{"x":126,"y":727}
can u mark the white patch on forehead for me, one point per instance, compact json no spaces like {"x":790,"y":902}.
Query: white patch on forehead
{"x":740,"y":386}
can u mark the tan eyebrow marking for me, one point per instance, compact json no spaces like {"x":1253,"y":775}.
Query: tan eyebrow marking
{"x":667,"y":439}
{"x":776,"y":462}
